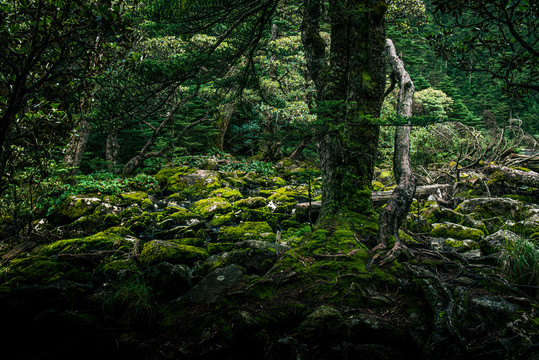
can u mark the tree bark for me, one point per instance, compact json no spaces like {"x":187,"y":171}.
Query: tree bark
{"x":111,"y":151}
{"x":397,"y":207}
{"x":350,"y":88}
{"x":77,"y":145}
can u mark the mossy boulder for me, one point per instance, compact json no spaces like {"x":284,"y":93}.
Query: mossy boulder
{"x":325,"y":323}
{"x":491,"y":207}
{"x":211,"y":207}
{"x":111,"y":239}
{"x":418,"y":223}
{"x":118,"y":269}
{"x":157,"y":251}
{"x":227,"y":193}
{"x":249,"y":230}
{"x":529,"y":225}
{"x":456,"y":231}
{"x":254,"y":202}
{"x":223,"y":220}
{"x":181,"y":217}
{"x":74,"y":207}
{"x":198,"y":182}
{"x":167,"y":280}
{"x":496,"y":242}
{"x":41,"y":270}
{"x":461,"y":245}
{"x":271,"y":218}
{"x":134,"y":197}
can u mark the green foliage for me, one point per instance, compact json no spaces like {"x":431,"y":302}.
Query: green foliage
{"x":130,"y":302}
{"x":257,"y":166}
{"x":521,"y":263}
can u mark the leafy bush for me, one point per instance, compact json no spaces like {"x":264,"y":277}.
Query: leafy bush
{"x":521,"y":263}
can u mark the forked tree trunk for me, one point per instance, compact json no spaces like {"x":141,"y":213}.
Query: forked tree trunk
{"x":397,"y":207}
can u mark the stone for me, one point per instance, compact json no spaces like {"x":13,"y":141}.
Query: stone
{"x":491,"y":207}
{"x":74,"y":207}
{"x":214,"y":285}
{"x":211,"y":206}
{"x":168,"y":281}
{"x":249,"y":230}
{"x":157,"y":251}
{"x":496,"y":242}
{"x":456,"y":231}
{"x":323,"y":323}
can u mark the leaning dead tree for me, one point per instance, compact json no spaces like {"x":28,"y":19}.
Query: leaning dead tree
{"x":398,"y":204}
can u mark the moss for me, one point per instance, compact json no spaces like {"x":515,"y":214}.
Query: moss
{"x":199,"y":242}
{"x":272,"y":219}
{"x":217,"y":248}
{"x":222,"y":220}
{"x":111,"y":239}
{"x":165,"y":174}
{"x":157,"y":251}
{"x":377,"y":185}
{"x":112,"y":268}
{"x":461,"y":245}
{"x":112,"y":220}
{"x":227,"y":193}
{"x":146,"y":204}
{"x":133,"y":197}
{"x":41,"y":270}
{"x":212,"y":206}
{"x":249,"y":230}
{"x":456,"y":231}
{"x":251,"y":203}
{"x":74,"y":207}
{"x":521,"y":198}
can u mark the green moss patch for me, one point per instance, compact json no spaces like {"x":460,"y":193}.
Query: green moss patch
{"x":249,"y":230}
{"x":212,"y":206}
{"x":111,"y":239}
{"x":157,"y":251}
{"x":459,"y":232}
{"x":227,"y":193}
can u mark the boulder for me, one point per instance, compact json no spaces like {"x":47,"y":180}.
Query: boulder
{"x":168,"y":281}
{"x":249,"y":230}
{"x":211,"y":206}
{"x":456,"y":231}
{"x":496,"y":242}
{"x":157,"y":251}
{"x":214,"y":285}
{"x":74,"y":207}
{"x":491,"y":207}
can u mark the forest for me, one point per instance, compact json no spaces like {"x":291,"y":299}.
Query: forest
{"x":269,"y":179}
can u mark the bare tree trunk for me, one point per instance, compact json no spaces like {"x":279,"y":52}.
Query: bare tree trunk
{"x":111,"y":151}
{"x":398,"y":205}
{"x":77,"y":145}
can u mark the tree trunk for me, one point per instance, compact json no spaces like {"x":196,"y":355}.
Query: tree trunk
{"x":350,"y":88}
{"x":111,"y":151}
{"x":299,"y":150}
{"x":77,"y":145}
{"x":397,"y":207}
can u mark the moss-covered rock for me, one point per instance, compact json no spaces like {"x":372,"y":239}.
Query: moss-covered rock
{"x":456,"y":231}
{"x":254,"y":202}
{"x":74,"y":207}
{"x":529,"y":225}
{"x":111,"y":239}
{"x":223,"y":220}
{"x":461,"y":245}
{"x":211,"y":206}
{"x":496,"y":242}
{"x":41,"y":270}
{"x":272,"y":219}
{"x":181,"y":217}
{"x":118,"y":269}
{"x":157,"y":251}
{"x":490,"y":207}
{"x":134,"y":197}
{"x":227,"y":193}
{"x":249,"y":230}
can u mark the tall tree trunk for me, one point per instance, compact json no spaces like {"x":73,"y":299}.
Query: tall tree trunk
{"x":350,"y":89}
{"x":111,"y":151}
{"x":398,"y":205}
{"x":77,"y":145}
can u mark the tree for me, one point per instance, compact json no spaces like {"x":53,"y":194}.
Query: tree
{"x":498,"y":38}
{"x":47,"y":47}
{"x":350,"y":81}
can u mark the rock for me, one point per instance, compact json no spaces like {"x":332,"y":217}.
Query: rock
{"x":168,"y":281}
{"x":74,"y":207}
{"x":529,"y":225}
{"x":302,"y":211}
{"x":211,"y":206}
{"x":459,"y":232}
{"x":227,"y":193}
{"x":183,"y":179}
{"x":493,"y":310}
{"x":496,"y":242}
{"x":461,"y":245}
{"x":254,"y":202}
{"x":491,"y":207}
{"x":119,"y":269}
{"x":111,"y":239}
{"x":325,"y":323}
{"x":249,"y":230}
{"x":418,"y":224}
{"x":214,"y":285}
{"x":134,"y":197}
{"x":157,"y":251}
